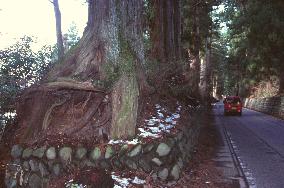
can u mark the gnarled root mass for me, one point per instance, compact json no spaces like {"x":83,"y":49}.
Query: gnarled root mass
{"x":69,"y":111}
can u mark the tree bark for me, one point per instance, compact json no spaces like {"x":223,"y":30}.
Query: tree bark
{"x":166,"y":30}
{"x":166,"y":37}
{"x":205,"y":85}
{"x":157,"y":31}
{"x":194,"y":54}
{"x":58,"y":29}
{"x":95,"y":93}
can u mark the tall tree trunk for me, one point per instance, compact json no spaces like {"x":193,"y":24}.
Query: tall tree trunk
{"x":202,"y":83}
{"x":177,"y":29}
{"x":94,"y":94}
{"x":194,"y":54}
{"x":166,"y":36}
{"x":172,"y":29}
{"x":58,"y":29}
{"x":206,"y":74}
{"x":209,"y":72}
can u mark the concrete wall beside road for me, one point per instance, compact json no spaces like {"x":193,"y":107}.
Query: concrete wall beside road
{"x":272,"y":105}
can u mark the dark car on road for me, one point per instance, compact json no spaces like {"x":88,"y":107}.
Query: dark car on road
{"x":232,"y":104}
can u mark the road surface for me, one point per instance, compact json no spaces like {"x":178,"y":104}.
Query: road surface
{"x":258,"y":144}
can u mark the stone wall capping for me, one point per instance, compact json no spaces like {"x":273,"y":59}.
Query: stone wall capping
{"x":109,"y":152}
{"x":65,"y":154}
{"x":39,"y":152}
{"x":51,"y":153}
{"x":16,"y":151}
{"x":96,"y":154}
{"x":80,"y":153}
{"x":27,"y":153}
{"x":135,"y":151}
{"x":163,"y":149}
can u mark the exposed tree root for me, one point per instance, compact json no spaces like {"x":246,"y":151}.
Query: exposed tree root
{"x":46,"y":119}
{"x":86,"y":86}
{"x":69,"y":109}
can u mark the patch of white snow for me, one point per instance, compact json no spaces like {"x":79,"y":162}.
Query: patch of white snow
{"x":134,"y":141}
{"x":121,"y":182}
{"x":138,"y":181}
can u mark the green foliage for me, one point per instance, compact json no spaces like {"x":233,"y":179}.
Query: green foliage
{"x":256,"y":42}
{"x":71,"y":38}
{"x":70,"y":42}
{"x":197,"y":14}
{"x":20,"y":67}
{"x":257,"y":39}
{"x":266,"y":88}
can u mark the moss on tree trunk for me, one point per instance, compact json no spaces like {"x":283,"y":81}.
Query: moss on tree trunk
{"x":124,"y":107}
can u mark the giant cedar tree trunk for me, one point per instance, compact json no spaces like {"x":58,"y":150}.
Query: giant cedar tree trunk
{"x":166,"y":35}
{"x":205,"y":74}
{"x":166,"y":30}
{"x":70,"y":104}
{"x":194,"y":71}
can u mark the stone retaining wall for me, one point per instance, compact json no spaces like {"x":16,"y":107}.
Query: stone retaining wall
{"x":33,"y":167}
{"x":273,"y":105}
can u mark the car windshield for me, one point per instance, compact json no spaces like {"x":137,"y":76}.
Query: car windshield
{"x":232,"y":100}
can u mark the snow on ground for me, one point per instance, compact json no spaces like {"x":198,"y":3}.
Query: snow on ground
{"x":71,"y":184}
{"x":121,"y":182}
{"x":133,"y":142}
{"x":163,"y":121}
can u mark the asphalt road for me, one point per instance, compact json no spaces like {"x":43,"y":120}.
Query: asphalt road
{"x":258,"y":143}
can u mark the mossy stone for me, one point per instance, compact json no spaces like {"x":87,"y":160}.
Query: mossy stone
{"x":27,"y":153}
{"x":39,"y":152}
{"x":80,"y":153}
{"x":96,"y":153}
{"x":109,"y":152}
{"x":65,"y":154}
{"x":16,"y":151}
{"x":163,"y":149}
{"x":51,"y":153}
{"x":163,"y":174}
{"x":135,"y":151}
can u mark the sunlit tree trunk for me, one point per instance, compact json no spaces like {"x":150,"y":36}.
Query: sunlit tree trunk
{"x":58,"y":29}
{"x":207,"y":82}
{"x":194,"y":55}
{"x":205,"y":74}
